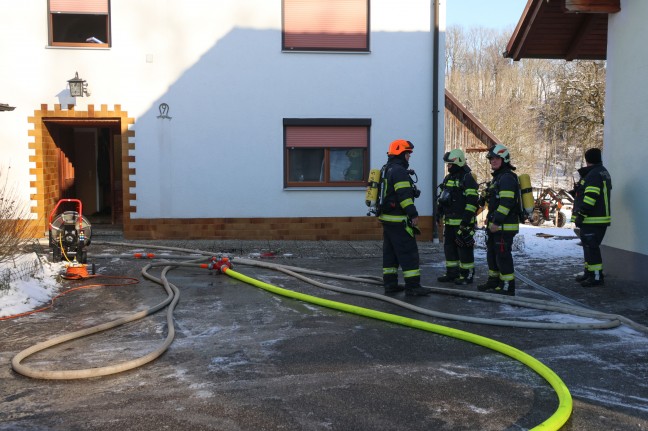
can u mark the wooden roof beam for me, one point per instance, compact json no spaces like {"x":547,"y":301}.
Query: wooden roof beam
{"x":592,"y":6}
{"x":576,"y":42}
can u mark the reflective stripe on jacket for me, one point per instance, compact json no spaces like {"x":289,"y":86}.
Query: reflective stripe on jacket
{"x":397,"y":192}
{"x":503,"y":200}
{"x":462,"y":204}
{"x":592,"y":196}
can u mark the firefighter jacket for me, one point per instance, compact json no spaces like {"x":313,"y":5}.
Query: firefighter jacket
{"x":458,"y":198}
{"x":504,"y":199}
{"x":592,"y":196}
{"x":397,"y":192}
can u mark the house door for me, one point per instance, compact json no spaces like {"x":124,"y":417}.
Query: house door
{"x":86,"y":180}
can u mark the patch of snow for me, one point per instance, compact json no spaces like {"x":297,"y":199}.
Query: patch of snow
{"x":33,"y":292}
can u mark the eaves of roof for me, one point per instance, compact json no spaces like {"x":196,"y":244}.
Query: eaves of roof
{"x":562,"y":29}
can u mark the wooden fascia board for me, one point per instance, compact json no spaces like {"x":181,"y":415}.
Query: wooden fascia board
{"x":530,"y":14}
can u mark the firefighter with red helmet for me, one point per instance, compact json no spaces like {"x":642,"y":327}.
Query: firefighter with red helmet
{"x":502,"y":222}
{"x":457,"y":203}
{"x":399,"y":219}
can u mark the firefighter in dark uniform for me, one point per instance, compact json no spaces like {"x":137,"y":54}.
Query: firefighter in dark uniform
{"x":502,"y":222}
{"x":457,"y":204}
{"x":592,"y":215}
{"x":399,"y":219}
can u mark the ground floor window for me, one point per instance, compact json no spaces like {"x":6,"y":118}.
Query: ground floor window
{"x":326,"y":152}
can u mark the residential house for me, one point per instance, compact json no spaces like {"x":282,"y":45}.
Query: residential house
{"x":245,"y":119}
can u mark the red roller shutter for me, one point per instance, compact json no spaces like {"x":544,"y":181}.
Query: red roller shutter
{"x":79,"y":6}
{"x":326,"y":24}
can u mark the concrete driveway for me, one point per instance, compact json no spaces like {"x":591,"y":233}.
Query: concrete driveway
{"x":245,"y":359}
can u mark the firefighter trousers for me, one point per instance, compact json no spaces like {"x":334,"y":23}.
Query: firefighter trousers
{"x":400,"y":249}
{"x":455,"y":256}
{"x":591,"y":237}
{"x":499,"y":246}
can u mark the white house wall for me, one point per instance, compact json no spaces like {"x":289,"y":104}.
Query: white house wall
{"x":219,"y":67}
{"x":626,"y":153}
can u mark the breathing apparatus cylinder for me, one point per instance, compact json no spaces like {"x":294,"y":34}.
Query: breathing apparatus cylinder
{"x":371,"y":196}
{"x":527,"y":193}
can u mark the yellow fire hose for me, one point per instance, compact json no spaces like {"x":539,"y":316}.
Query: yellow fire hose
{"x":554,"y":422}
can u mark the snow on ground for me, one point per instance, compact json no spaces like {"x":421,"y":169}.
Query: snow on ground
{"x":34,"y":292}
{"x":551,"y":241}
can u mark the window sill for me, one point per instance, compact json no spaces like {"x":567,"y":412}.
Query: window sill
{"x":305,"y":51}
{"x":90,"y":47}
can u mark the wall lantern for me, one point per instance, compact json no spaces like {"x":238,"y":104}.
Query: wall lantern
{"x":78,"y":86}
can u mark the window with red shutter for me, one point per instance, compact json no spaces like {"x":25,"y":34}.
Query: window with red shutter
{"x":325,"y":25}
{"x":326,"y":152}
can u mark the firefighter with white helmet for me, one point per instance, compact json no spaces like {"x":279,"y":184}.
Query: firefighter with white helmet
{"x":502,"y":222}
{"x":457,"y":203}
{"x":399,"y":219}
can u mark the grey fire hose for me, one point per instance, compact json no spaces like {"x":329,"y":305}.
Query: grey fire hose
{"x":173,"y":295}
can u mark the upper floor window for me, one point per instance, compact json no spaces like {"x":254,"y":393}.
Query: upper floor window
{"x":83,"y":23}
{"x":326,"y":25}
{"x":326,"y":152}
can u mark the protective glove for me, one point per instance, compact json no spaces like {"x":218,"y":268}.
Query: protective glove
{"x":578,"y":220}
{"x":465,"y":237}
{"x":411,"y":228}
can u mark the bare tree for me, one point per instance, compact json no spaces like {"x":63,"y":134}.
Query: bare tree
{"x":545,"y":111}
{"x":16,"y":230}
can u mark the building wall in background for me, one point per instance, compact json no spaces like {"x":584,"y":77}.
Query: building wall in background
{"x":220,"y":69}
{"x":626,"y":153}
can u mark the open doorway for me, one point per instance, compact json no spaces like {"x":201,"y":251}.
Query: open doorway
{"x":89,"y":167}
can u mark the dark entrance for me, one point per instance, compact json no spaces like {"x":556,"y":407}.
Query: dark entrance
{"x":89,"y":166}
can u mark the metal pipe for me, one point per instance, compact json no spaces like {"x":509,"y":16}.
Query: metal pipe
{"x":435,"y":114}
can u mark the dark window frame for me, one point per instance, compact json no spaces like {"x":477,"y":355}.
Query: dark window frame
{"x":326,"y":182}
{"x":291,"y":48}
{"x":58,"y":22}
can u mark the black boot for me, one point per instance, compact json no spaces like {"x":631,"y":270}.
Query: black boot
{"x":465,"y":277}
{"x":491,"y":284}
{"x":390,"y":282}
{"x":506,"y":287}
{"x":417,"y":291}
{"x":595,"y":278}
{"x":450,"y":276}
{"x":393,"y":288}
{"x":582,"y":277}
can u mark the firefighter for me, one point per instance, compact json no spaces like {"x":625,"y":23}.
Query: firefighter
{"x":591,"y":214}
{"x":502,"y":222}
{"x":399,"y":220}
{"x":457,"y":204}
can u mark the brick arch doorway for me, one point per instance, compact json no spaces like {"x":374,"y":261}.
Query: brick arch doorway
{"x":82,"y":155}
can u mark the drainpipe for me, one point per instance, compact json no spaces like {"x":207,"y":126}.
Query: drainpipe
{"x":435,"y":116}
